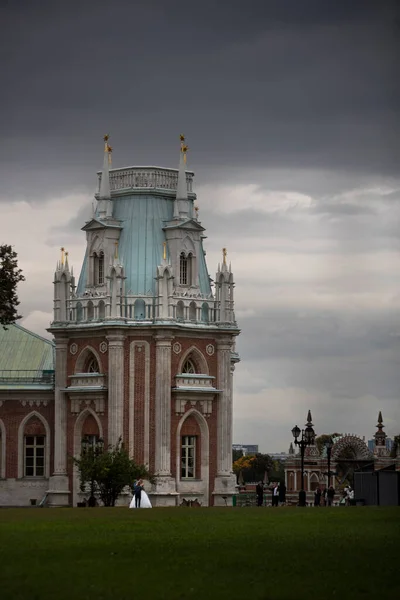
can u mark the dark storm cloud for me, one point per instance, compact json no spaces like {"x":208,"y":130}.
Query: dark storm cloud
{"x":266,"y":83}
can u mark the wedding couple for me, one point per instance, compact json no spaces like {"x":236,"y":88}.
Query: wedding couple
{"x":140,"y":498}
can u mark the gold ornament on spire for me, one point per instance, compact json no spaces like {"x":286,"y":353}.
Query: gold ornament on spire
{"x":106,"y":137}
{"x":182,"y":138}
{"x":165,"y":250}
{"x":62,"y":255}
{"x":224,"y":253}
{"x":184,"y":147}
{"x":196,"y":210}
{"x":116,"y":249}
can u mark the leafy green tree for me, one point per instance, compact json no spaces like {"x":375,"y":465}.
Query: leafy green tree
{"x":10,"y":276}
{"x":322,"y":439}
{"x":108,"y":471}
{"x":396,"y":445}
{"x":236,"y":454}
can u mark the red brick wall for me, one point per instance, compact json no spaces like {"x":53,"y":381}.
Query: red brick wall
{"x":12,"y":414}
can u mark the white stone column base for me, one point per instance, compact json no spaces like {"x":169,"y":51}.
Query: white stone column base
{"x":163,"y":492}
{"x":58,"y":493}
{"x":224,"y":489}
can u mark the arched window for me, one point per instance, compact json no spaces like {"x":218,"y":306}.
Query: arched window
{"x":205,"y":313}
{"x":188,"y":367}
{"x":92,"y":366}
{"x":98,"y":264}
{"x":139,"y":309}
{"x":180,"y":310}
{"x":79,"y":311}
{"x":192,"y":311}
{"x":314,"y":483}
{"x":183,"y":269}
{"x":102,"y":310}
{"x":90,"y":311}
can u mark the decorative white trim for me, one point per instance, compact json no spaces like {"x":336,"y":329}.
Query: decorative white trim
{"x":82,"y":357}
{"x":137,"y":346}
{"x":21,"y":429}
{"x":86,"y":400}
{"x":73,"y":348}
{"x":3,"y":447}
{"x":198,"y":355}
{"x":177,"y":348}
{"x":34,"y":402}
{"x":103,"y":347}
{"x":180,"y":404}
{"x":210,"y":349}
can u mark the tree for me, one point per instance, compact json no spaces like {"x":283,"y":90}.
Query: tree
{"x":253,"y":467}
{"x":236,"y":454}
{"x":10,"y":276}
{"x":322,"y":439}
{"x":396,"y":445}
{"x":108,"y":471}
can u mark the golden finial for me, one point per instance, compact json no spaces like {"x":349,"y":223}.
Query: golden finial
{"x":165,"y":250}
{"x":116,"y":249}
{"x":106,"y":137}
{"x":224,"y":253}
{"x":196,"y":209}
{"x":109,"y":150}
{"x":182,"y":138}
{"x":62,"y":255}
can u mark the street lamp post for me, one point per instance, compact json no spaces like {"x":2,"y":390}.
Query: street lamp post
{"x":307,"y":439}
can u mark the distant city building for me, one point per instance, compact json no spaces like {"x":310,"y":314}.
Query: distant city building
{"x":279,"y":455}
{"x":246,"y":448}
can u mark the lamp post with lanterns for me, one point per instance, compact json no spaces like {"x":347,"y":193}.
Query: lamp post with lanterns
{"x":307,"y":439}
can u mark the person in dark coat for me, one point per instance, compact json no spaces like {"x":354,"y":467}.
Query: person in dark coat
{"x":282,"y":494}
{"x":137,"y":491}
{"x":317,"y":497}
{"x":260,"y":493}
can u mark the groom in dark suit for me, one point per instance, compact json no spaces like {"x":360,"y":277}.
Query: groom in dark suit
{"x":137,"y":490}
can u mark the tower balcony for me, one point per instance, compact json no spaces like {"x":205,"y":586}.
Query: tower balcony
{"x":93,"y":381}
{"x":131,"y":179}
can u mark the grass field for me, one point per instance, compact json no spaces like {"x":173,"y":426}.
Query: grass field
{"x":277,"y":554}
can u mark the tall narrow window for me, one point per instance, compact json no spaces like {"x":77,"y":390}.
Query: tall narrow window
{"x":100,"y":269}
{"x":188,"y":457}
{"x":34,"y":451}
{"x":183,"y":269}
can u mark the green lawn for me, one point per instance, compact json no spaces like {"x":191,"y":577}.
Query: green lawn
{"x":118,"y":554}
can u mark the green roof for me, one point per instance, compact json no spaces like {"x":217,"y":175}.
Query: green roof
{"x":26,"y":359}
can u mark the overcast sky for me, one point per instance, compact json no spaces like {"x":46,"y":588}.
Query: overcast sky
{"x":291,"y":112}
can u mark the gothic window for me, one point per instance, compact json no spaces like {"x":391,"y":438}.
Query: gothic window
{"x":205,"y":313}
{"x":102,"y":310}
{"x":188,"y":457}
{"x":34,"y":454}
{"x":180,"y":310}
{"x":92,"y":366}
{"x":98,"y":263}
{"x":89,"y":441}
{"x":139,"y":309}
{"x":79,"y":311}
{"x":192,"y":311}
{"x":188,"y":367}
{"x":90,"y":311}
{"x":183,"y":269}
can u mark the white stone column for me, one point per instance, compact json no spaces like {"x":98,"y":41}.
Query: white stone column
{"x":58,"y":492}
{"x":164,"y":493}
{"x":225,"y":482}
{"x":115,"y":387}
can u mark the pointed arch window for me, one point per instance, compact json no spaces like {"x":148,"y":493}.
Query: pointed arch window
{"x":188,"y":457}
{"x":189,"y":366}
{"x":92,"y":366}
{"x":98,"y":260}
{"x":183,"y":269}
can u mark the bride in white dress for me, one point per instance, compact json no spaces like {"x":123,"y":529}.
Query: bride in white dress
{"x":144,"y":499}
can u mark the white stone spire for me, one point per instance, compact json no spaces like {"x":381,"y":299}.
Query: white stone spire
{"x":181,"y":208}
{"x":105,"y":193}
{"x":104,"y":208}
